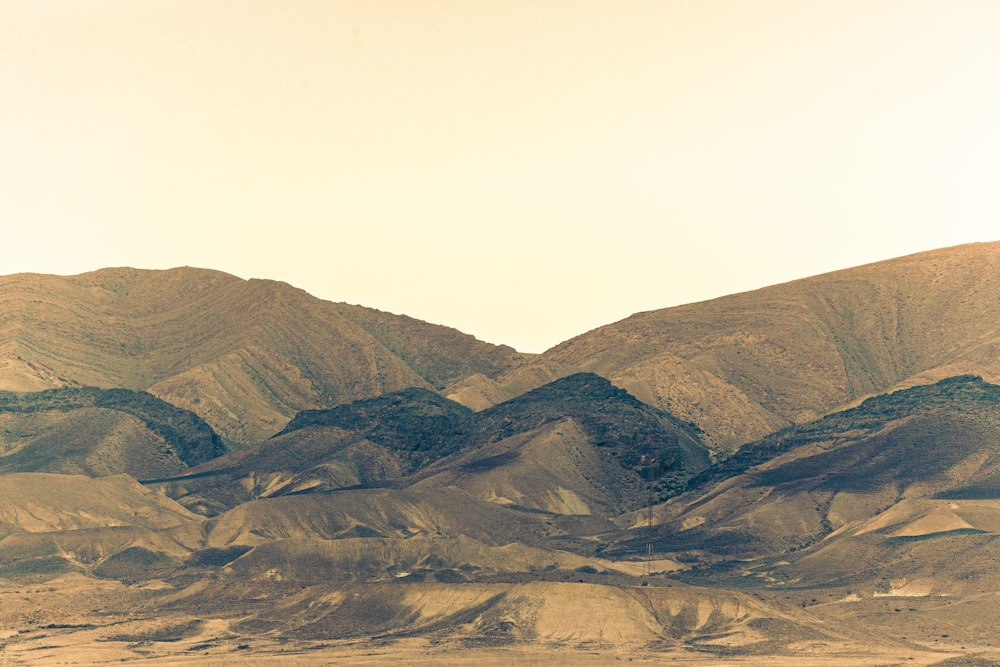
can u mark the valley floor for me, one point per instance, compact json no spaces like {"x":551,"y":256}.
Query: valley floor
{"x":84,"y":621}
{"x":417,"y":653}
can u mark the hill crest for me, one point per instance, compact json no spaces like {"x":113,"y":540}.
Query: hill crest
{"x":245,"y":355}
{"x":745,"y":365}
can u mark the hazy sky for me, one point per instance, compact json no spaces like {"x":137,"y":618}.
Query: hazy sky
{"x":523,"y":171}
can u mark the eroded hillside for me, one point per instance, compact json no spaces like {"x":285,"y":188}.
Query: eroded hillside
{"x":742,"y":366}
{"x":578,"y":445}
{"x":522,"y":521}
{"x":244,"y":355}
{"x":97,"y":432}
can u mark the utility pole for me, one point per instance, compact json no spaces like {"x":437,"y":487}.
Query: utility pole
{"x":650,"y":466}
{"x":649,"y":534}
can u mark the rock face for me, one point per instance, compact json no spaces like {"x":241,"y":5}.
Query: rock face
{"x":744,"y":365}
{"x":244,"y":355}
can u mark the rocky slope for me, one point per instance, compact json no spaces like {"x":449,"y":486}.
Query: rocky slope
{"x":388,"y":523}
{"x":744,"y":365}
{"x":860,"y":538}
{"x":244,"y":355}
{"x":101,"y":432}
{"x":804,"y":483}
{"x":578,"y":445}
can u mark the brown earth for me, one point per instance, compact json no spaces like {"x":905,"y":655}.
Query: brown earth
{"x":743,"y":365}
{"x":244,"y":355}
{"x":867,"y":537}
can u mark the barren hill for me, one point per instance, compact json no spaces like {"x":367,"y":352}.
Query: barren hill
{"x":43,"y":502}
{"x":386,"y":522}
{"x":742,"y":366}
{"x":809,"y":482}
{"x":861,"y":538}
{"x":885,"y":515}
{"x":575,"y":446}
{"x":245,"y":355}
{"x":100,"y":432}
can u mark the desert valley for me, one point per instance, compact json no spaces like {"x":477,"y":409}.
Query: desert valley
{"x":197,"y":468}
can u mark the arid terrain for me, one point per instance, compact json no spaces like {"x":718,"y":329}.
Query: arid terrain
{"x":200,"y":469}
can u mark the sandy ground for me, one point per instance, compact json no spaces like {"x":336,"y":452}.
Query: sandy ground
{"x":77,"y":648}
{"x":75,"y":620}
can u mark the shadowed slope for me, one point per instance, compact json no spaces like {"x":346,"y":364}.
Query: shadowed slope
{"x":428,"y":427}
{"x":416,"y":425}
{"x":802,"y":484}
{"x":245,"y":355}
{"x":578,"y":445}
{"x":100,"y":432}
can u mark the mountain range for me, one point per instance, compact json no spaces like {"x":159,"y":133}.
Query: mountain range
{"x":742,"y":366}
{"x":195,"y":466}
{"x":244,"y":355}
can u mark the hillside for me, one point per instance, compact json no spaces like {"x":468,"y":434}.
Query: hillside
{"x":398,"y":492}
{"x":806,"y":483}
{"x":48,"y":503}
{"x":100,"y":432}
{"x":573,"y":446}
{"x":245,"y":355}
{"x":859,"y":538}
{"x":248,"y":355}
{"x":885,"y":516}
{"x":742,"y":366}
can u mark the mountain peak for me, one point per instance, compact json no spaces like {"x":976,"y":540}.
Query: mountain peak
{"x":244,"y":355}
{"x":744,"y":365}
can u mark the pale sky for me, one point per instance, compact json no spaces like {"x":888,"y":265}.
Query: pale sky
{"x":522,"y":171}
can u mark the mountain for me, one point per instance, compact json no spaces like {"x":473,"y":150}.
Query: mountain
{"x":745,"y":365}
{"x":575,"y":446}
{"x":805,"y":474}
{"x":885,"y":515}
{"x":245,"y":355}
{"x":100,"y":432}
{"x":804,"y":483}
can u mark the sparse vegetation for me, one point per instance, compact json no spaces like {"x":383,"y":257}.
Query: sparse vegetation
{"x":421,"y":427}
{"x":184,"y":435}
{"x":961,"y":394}
{"x":566,"y":518}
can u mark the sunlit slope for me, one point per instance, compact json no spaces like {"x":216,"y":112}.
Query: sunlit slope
{"x":554,"y":469}
{"x":42,"y":502}
{"x":551,"y":616}
{"x":743,"y":365}
{"x":245,"y":355}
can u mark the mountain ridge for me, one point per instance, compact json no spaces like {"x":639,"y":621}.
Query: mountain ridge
{"x":100,"y":432}
{"x":776,"y":476}
{"x":744,"y":365}
{"x":401,"y":438}
{"x":243,"y":354}
{"x":806,"y":482}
